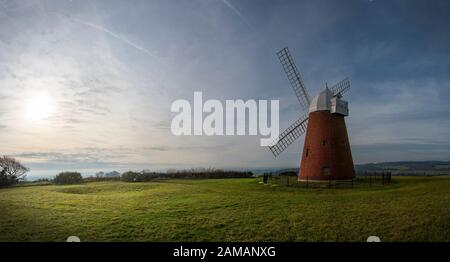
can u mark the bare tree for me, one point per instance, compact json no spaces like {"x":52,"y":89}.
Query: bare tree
{"x":13,"y":170}
{"x":100,"y":174}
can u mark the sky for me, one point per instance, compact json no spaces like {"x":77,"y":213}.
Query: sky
{"x":88,"y":85}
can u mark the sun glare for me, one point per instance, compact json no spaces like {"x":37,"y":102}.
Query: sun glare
{"x":39,"y":106}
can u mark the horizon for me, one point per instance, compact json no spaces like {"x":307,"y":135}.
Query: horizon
{"x":92,"y":172}
{"x":87,"y":85}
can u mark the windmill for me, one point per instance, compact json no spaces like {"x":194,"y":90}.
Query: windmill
{"x":326,"y":151}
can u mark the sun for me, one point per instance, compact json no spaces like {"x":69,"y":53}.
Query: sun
{"x":40,"y":106}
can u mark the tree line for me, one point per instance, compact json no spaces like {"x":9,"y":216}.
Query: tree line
{"x":13,"y":172}
{"x":146,"y":175}
{"x":194,"y":173}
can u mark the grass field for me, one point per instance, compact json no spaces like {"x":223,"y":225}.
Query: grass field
{"x":410,"y":209}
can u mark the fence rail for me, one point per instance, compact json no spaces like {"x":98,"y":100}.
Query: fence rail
{"x":362,"y":179}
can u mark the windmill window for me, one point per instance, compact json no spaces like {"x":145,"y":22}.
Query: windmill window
{"x":307,"y":152}
{"x":324,"y":142}
{"x":326,"y":171}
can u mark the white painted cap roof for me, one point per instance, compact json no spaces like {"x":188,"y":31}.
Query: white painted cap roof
{"x":322,"y":101}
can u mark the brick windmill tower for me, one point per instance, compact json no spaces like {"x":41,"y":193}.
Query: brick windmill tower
{"x":326,"y":151}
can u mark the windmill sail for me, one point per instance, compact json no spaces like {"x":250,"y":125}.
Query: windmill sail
{"x":341,"y":87}
{"x":297,"y":129}
{"x":294,"y":77}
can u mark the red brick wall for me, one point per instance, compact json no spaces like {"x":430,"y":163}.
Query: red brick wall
{"x":326,"y":152}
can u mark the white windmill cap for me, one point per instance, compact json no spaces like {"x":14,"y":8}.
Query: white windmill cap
{"x":322,"y":101}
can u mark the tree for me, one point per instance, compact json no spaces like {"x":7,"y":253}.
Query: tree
{"x":65,"y":178}
{"x":130,"y":176}
{"x":100,"y":174}
{"x":12,"y":171}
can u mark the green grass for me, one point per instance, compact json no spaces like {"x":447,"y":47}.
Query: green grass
{"x":410,"y":209}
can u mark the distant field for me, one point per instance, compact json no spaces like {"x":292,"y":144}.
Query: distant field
{"x":410,"y":209}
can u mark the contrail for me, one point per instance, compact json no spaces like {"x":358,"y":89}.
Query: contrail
{"x":114,"y":35}
{"x":267,"y":44}
{"x":238,"y":13}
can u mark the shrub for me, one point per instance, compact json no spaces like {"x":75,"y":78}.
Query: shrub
{"x":203,"y":173}
{"x":65,"y":178}
{"x":98,"y":179}
{"x":131,"y":176}
{"x":42,"y":180}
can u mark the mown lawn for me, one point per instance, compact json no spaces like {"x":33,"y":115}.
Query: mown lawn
{"x":410,"y":209}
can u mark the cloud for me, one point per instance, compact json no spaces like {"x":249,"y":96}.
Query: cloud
{"x":112,"y":34}
{"x":67,"y":157}
{"x":157,"y":148}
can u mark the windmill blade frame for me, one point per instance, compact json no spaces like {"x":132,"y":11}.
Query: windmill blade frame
{"x":341,"y":87}
{"x":294,"y":77}
{"x":288,"y":136}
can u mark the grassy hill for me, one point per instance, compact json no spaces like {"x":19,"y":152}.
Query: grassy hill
{"x":410,"y":209}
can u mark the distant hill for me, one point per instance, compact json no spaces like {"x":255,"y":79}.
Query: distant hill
{"x":112,"y":174}
{"x":397,"y":168}
{"x":406,"y":166}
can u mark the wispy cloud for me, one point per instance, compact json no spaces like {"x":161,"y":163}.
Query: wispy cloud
{"x":112,"y":34}
{"x":81,"y":155}
{"x":238,"y":13}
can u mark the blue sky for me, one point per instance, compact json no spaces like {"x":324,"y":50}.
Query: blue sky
{"x":88,"y":85}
